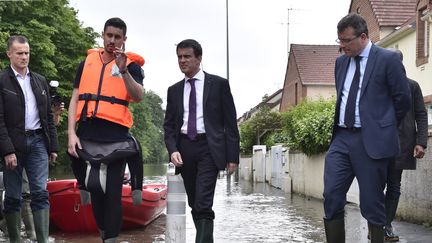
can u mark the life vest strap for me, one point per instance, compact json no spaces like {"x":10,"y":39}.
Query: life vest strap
{"x":110,"y":99}
{"x":87,"y":97}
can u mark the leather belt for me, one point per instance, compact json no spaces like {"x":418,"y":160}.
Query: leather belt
{"x":30,"y":133}
{"x":199,"y":136}
{"x":352,"y":129}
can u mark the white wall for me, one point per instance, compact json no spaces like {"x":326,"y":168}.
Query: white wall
{"x":304,"y":175}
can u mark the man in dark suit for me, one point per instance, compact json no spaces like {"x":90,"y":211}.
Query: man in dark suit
{"x":372,"y":98}
{"x":413,"y":135}
{"x":201,"y":134}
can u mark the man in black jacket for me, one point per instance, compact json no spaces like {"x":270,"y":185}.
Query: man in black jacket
{"x":413,"y":136}
{"x":28,"y":138}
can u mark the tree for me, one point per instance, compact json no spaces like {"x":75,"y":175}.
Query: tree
{"x":260,"y":128}
{"x":148,"y":128}
{"x":58,"y":43}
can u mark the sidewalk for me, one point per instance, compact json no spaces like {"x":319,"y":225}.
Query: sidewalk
{"x":356,"y":229}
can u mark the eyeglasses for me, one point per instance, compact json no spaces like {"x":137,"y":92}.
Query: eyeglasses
{"x":346,"y":41}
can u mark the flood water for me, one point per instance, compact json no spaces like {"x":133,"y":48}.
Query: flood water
{"x":245,"y":212}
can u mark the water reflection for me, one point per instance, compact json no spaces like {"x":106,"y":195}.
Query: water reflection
{"x":245,"y":212}
{"x":248,"y":212}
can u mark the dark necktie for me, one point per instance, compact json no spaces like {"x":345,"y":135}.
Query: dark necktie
{"x":351,"y":101}
{"x":191,"y":127}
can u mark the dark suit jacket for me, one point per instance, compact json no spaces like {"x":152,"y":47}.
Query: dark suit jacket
{"x":12,"y":113}
{"x":219,"y":119}
{"x":384,"y":100}
{"x":413,"y":129}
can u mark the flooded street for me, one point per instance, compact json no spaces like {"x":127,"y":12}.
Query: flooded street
{"x":253,"y":212}
{"x":245,"y":212}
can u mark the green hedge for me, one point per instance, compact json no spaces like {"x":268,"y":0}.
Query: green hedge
{"x":308,"y":126}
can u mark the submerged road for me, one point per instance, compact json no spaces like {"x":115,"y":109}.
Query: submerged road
{"x":248,"y":212}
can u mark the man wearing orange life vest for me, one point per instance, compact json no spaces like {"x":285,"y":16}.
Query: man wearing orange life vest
{"x":98,"y":111}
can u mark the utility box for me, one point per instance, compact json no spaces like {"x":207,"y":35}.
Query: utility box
{"x":258,"y":163}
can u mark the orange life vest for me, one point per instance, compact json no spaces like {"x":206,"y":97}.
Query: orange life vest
{"x":101,"y":94}
{"x":136,"y":58}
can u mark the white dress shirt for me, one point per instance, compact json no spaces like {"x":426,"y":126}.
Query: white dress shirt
{"x":32,"y":120}
{"x":347,"y":84}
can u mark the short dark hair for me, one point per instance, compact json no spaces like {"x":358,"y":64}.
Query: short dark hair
{"x":355,"y":21}
{"x":190,"y":43}
{"x":19,"y":38}
{"x":116,"y":22}
{"x":399,"y":52}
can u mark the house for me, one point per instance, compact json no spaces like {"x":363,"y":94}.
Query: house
{"x":310,"y":74}
{"x":406,"y":26}
{"x":383,"y":16}
{"x":272,"y":102}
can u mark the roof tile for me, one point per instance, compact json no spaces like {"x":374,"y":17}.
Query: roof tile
{"x":315,"y":63}
{"x":393,"y":12}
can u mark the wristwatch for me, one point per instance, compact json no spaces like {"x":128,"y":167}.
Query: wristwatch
{"x":123,"y":71}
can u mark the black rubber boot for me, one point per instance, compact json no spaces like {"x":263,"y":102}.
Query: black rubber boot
{"x":376,"y":233}
{"x":335,"y":230}
{"x":204,"y":228}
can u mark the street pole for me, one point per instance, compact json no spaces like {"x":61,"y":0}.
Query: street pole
{"x":227,"y":40}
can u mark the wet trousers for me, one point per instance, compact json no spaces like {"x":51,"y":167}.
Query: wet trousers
{"x":199,"y":174}
{"x":107,"y":208}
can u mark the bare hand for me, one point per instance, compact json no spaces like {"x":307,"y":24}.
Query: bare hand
{"x":11,"y":161}
{"x":73,"y":141}
{"x":176,"y":159}
{"x":53,"y":158}
{"x":419,"y":151}
{"x":58,"y":109}
{"x":120,"y":57}
{"x":231,"y":167}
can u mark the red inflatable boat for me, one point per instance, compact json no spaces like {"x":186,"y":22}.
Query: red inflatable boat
{"x":67,"y":213}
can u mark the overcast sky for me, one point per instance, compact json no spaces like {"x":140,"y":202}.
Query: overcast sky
{"x":257,"y":37}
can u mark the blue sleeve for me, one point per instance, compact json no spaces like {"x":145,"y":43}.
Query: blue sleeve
{"x":78,"y":75}
{"x":136,"y":72}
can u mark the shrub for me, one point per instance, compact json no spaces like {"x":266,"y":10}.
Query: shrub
{"x":261,"y":127}
{"x":309,"y":125}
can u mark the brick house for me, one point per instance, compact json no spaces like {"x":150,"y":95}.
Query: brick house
{"x":383,"y":16}
{"x":406,"y":26}
{"x":310,"y":74}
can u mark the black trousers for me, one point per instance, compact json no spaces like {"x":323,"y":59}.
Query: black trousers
{"x":199,"y":174}
{"x":107,"y":208}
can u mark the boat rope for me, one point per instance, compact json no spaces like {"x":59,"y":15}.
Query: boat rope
{"x":61,"y":190}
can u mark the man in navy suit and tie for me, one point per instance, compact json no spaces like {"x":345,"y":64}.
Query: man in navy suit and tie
{"x":372,"y":98}
{"x":201,"y":134}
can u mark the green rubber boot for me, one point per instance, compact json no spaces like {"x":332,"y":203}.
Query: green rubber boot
{"x":27,"y":217}
{"x":13,"y":222}
{"x":41,"y":223}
